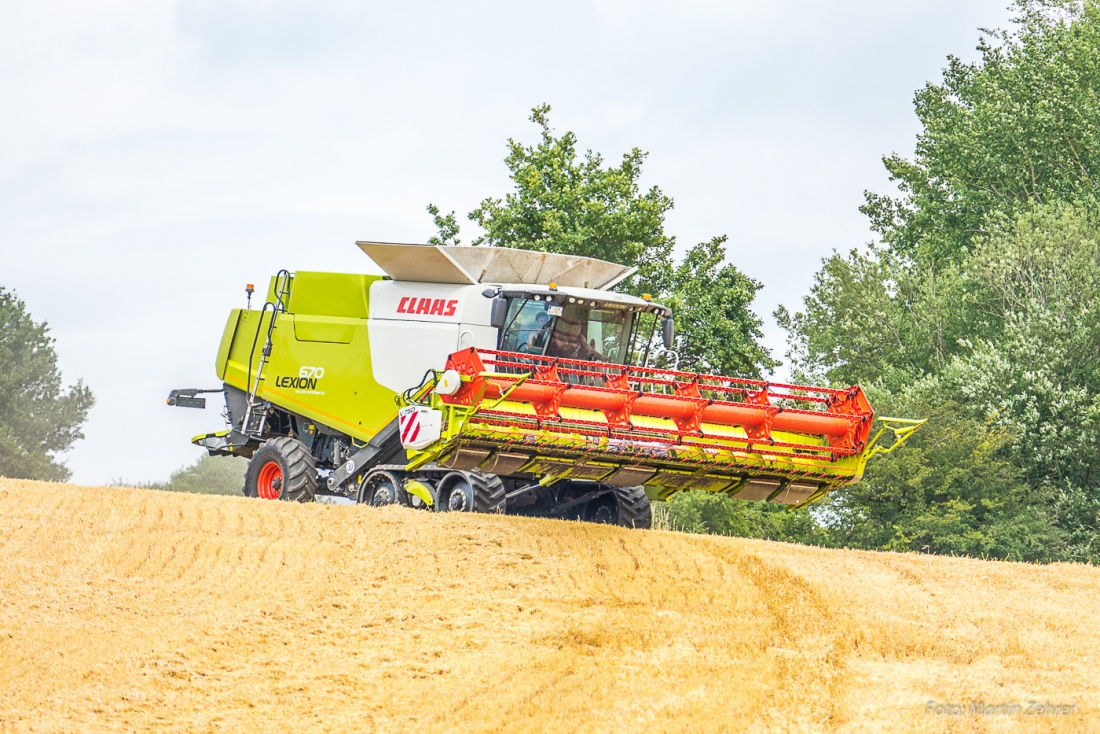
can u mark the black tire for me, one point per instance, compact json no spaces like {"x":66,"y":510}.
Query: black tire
{"x":285,"y":469}
{"x":380,"y":488}
{"x":602,"y":510}
{"x":634,"y":509}
{"x":467,"y":491}
{"x":625,"y":506}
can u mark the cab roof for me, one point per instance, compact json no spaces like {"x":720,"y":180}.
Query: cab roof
{"x":586,"y":296}
{"x":495,"y":265}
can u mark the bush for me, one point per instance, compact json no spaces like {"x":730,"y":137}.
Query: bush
{"x":208,"y":475}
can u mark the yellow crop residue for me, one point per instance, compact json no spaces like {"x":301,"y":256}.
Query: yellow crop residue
{"x":136,"y":610}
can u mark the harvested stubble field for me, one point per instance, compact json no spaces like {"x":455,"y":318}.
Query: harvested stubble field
{"x":137,"y":610}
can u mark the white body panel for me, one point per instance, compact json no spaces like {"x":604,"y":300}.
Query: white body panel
{"x":404,"y":300}
{"x":419,"y":426}
{"x":473,"y":335}
{"x":402,"y":351}
{"x":414,"y":327}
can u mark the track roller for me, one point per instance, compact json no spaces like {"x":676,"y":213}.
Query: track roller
{"x":467,"y":491}
{"x":380,"y":488}
{"x":625,"y":506}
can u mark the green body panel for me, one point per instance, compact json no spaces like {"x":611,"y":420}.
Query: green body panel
{"x":226,"y":342}
{"x":330,"y":294}
{"x":330,"y":329}
{"x":320,"y":365}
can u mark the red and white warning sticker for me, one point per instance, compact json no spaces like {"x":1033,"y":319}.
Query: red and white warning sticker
{"x":409,"y":423}
{"x":419,"y":426}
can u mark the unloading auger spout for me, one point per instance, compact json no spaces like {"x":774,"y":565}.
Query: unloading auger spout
{"x":665,"y":429}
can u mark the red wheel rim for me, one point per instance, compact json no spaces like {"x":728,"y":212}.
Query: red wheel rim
{"x":269,"y":485}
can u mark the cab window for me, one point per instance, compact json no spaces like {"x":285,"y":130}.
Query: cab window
{"x":529,"y":326}
{"x":593,"y":334}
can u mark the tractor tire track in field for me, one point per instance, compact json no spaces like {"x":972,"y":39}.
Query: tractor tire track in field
{"x":136,"y":610}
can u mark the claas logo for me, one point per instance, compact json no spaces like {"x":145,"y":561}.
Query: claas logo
{"x":429,"y":306}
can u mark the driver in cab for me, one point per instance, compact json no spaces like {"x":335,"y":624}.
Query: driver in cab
{"x":567,"y":340}
{"x":536,"y":338}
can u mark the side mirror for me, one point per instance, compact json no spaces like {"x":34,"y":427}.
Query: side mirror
{"x":668,"y":332}
{"x":498,"y":315}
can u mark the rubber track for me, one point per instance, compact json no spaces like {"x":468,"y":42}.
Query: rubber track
{"x":370,"y":481}
{"x":634,"y":509}
{"x":489,"y":494}
{"x":300,"y":477}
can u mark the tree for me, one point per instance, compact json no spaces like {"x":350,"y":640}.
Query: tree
{"x":38,"y":418}
{"x":1011,"y":338}
{"x":1036,"y":370}
{"x":567,"y":203}
{"x":697,"y":511}
{"x":952,"y":490}
{"x":448,"y":228}
{"x":1019,"y":127}
{"x":877,"y":317}
{"x":579,"y":207}
{"x":718,"y":332}
{"x":977,"y":307}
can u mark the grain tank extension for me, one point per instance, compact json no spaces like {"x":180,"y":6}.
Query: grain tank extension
{"x":497,"y":380}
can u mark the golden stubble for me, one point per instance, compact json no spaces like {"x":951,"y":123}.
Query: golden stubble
{"x":136,"y":610}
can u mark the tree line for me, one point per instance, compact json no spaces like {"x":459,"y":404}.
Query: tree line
{"x":977,"y":307}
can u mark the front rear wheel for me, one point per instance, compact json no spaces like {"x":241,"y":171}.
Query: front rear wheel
{"x":380,"y":488}
{"x":464,"y":491}
{"x":625,"y":506}
{"x":281,"y":469}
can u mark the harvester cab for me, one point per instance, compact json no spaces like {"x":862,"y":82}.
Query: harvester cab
{"x":575,"y":323}
{"x":500,"y":380}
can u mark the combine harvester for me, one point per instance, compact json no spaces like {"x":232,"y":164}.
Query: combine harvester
{"x":498,"y":380}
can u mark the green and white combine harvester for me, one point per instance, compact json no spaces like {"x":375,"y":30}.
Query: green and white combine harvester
{"x":497,"y":380}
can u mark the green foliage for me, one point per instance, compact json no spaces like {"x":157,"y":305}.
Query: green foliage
{"x":696,"y":511}
{"x":874,"y":317}
{"x":979,"y":307}
{"x":38,"y":418}
{"x":208,"y":475}
{"x":569,"y":203}
{"x":718,"y":332}
{"x":1036,"y":373}
{"x":1017,"y":128}
{"x":951,"y":490}
{"x":447,"y":226}
{"x":577,"y":206}
{"x":1012,"y":335}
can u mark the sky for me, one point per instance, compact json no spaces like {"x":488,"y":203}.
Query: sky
{"x":155,"y":157}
